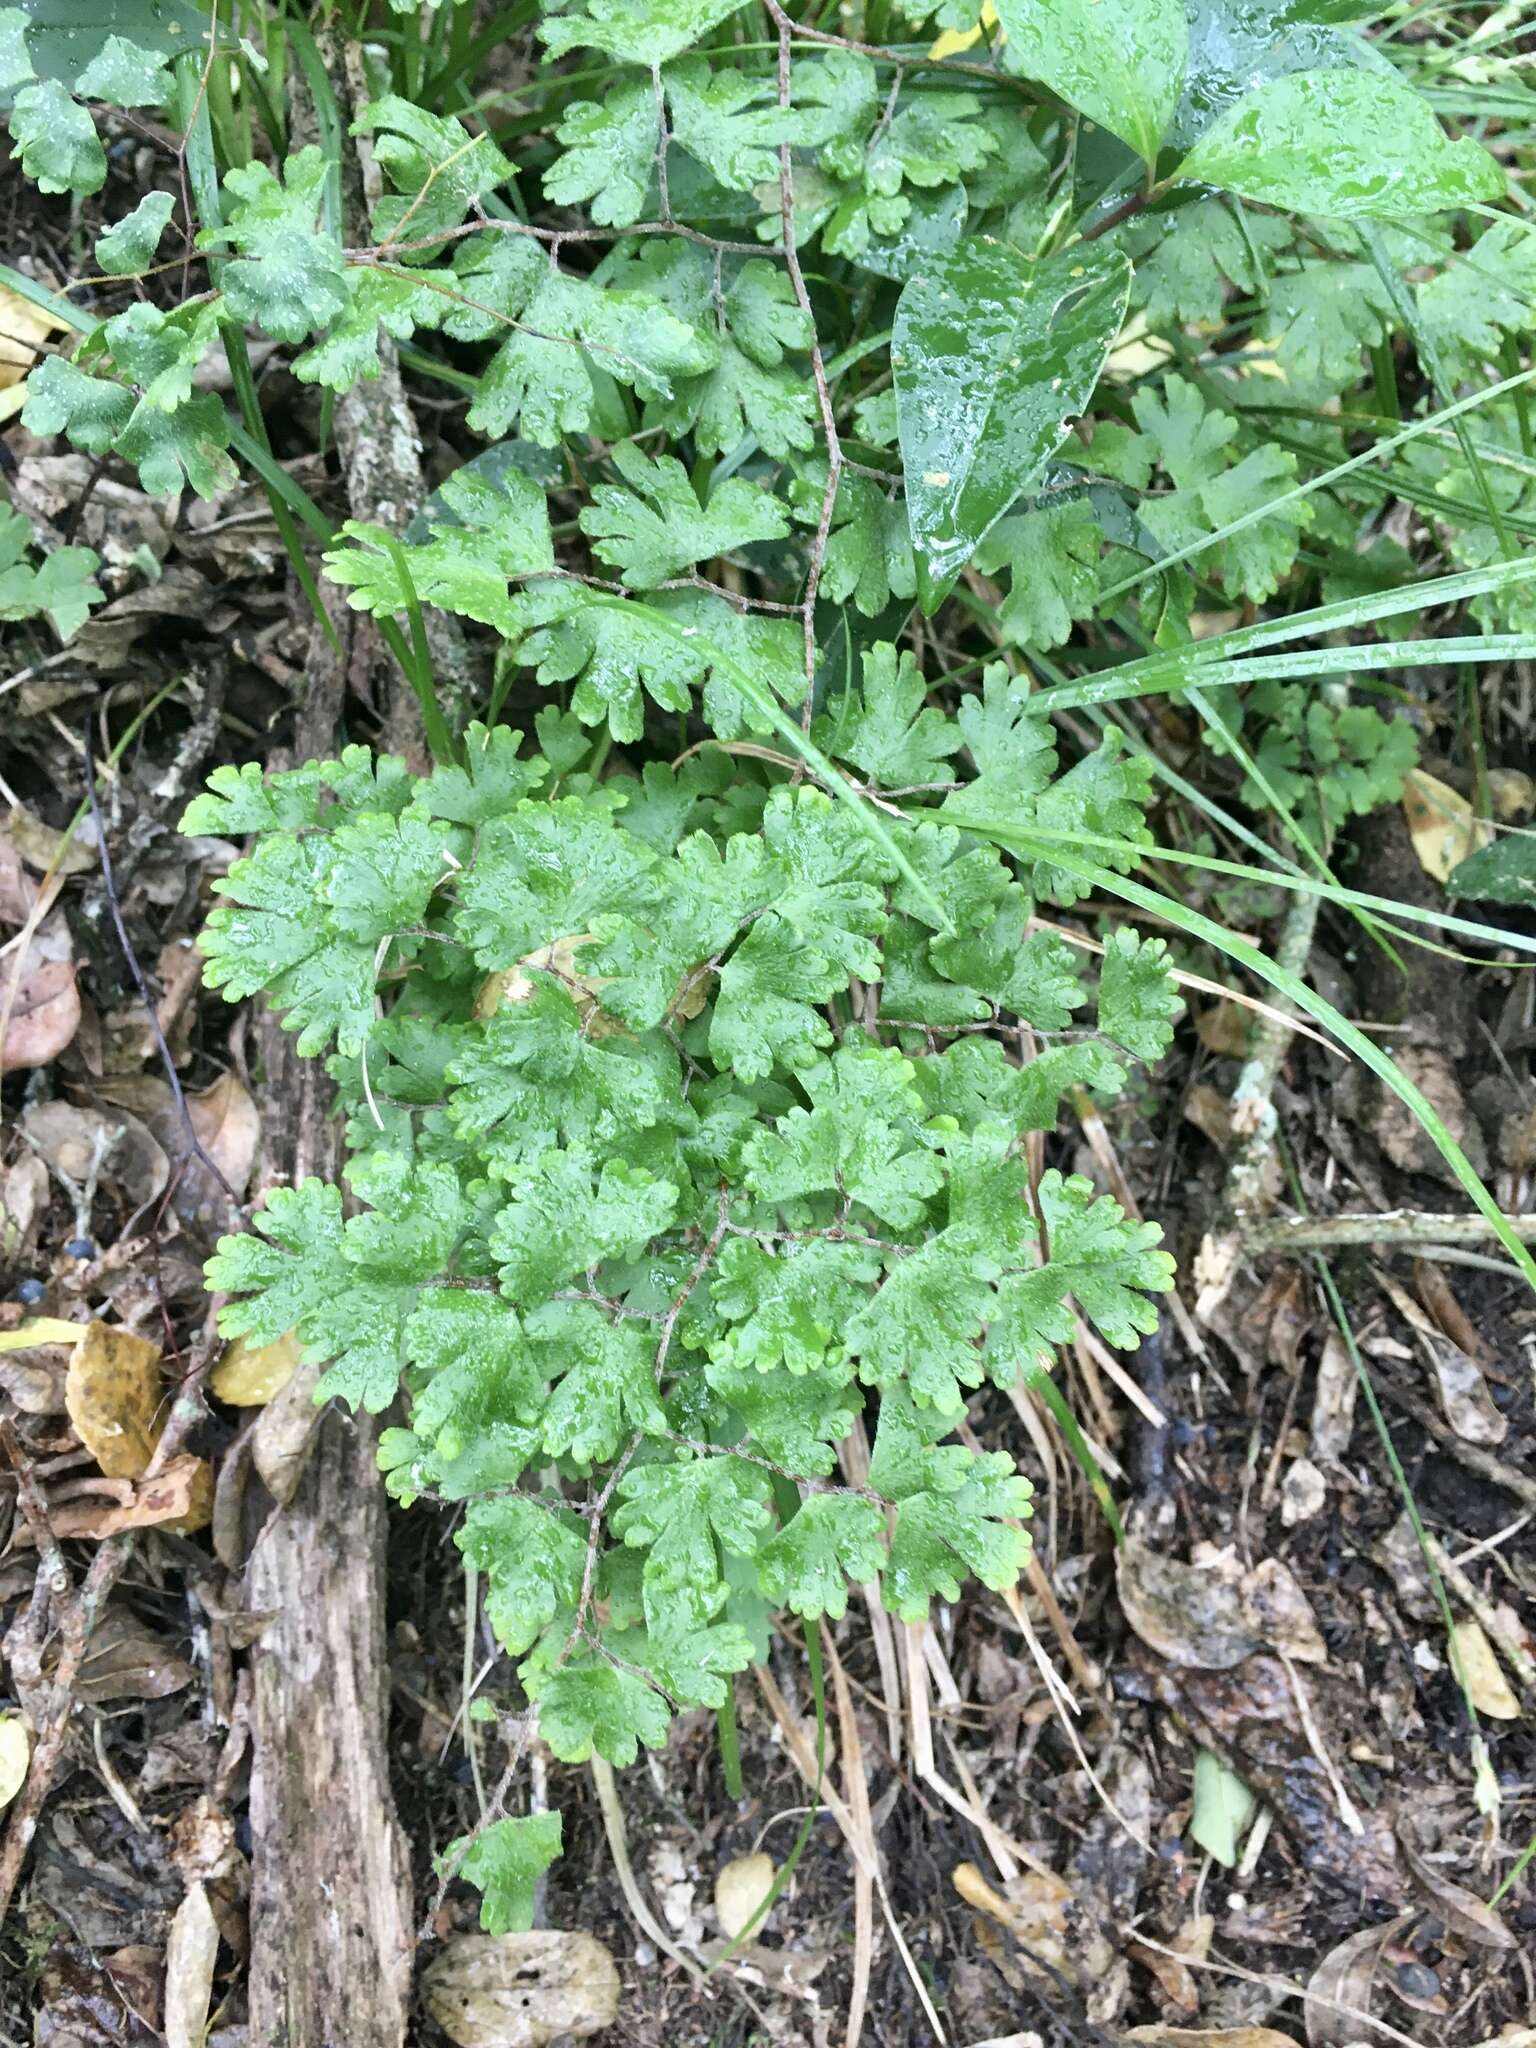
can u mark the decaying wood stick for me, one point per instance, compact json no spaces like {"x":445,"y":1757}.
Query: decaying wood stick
{"x":1414,"y":1227}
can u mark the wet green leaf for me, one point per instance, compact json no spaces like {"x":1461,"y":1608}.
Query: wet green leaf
{"x":993,"y":356}
{"x":1352,"y":144}
{"x":1120,"y":62}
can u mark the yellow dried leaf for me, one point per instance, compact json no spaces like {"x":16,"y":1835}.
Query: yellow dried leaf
{"x":1489,"y":1688}
{"x":740,"y":1890}
{"x":23,"y":330}
{"x":112,"y":1391}
{"x":1440,"y":824}
{"x":954,"y":41}
{"x":15,"y":1755}
{"x":249,"y":1375}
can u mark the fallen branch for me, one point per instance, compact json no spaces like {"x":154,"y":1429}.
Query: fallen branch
{"x":1254,"y":1124}
{"x":1392,"y":1226}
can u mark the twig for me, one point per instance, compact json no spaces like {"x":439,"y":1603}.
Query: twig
{"x":1510,"y":1477}
{"x":1415,"y":1227}
{"x":77,"y":1620}
{"x":1254,"y":1124}
{"x":109,"y":884}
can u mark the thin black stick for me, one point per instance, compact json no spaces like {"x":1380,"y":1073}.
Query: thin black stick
{"x":194,"y":1143}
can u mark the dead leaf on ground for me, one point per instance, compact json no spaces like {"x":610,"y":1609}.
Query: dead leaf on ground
{"x":1225,"y":1029}
{"x":1033,"y":1909}
{"x":45,"y":1014}
{"x":79,"y":1143}
{"x":24,"y":328}
{"x":126,"y":1661}
{"x":178,"y":1499}
{"x":1397,"y":1129}
{"x":15,"y":1755}
{"x":521,"y":1990}
{"x":1490,"y":1689}
{"x":1465,"y":1400}
{"x":1303,"y":1492}
{"x":113,"y":1392}
{"x":280,"y":1441}
{"x":99,"y":2001}
{"x":228,"y":1129}
{"x":1279,"y":1320}
{"x":50,"y":851}
{"x":740,"y":1890}
{"x":18,"y":892}
{"x":1174,"y":1977}
{"x":1333,"y":1403}
{"x":23,"y":1203}
{"x":117,"y":1401}
{"x":104,"y":513}
{"x":1462,"y":1911}
{"x":37,"y":986}
{"x":1208,"y":1614}
{"x":34,"y":1378}
{"x":190,"y":1953}
{"x":250,"y":1375}
{"x":1440,"y":824}
{"x":1338,"y":1999}
{"x":1210,"y":2037}
{"x":791,"y":1972}
{"x":1439,"y":1298}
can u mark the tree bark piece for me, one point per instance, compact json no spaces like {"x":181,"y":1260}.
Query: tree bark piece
{"x":331,"y":1944}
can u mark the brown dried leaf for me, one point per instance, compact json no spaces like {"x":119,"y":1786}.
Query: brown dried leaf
{"x":1333,"y":1404}
{"x":1225,"y":1029}
{"x":77,"y":1143}
{"x":281,"y":1439}
{"x":113,"y":1392}
{"x":1174,"y":1976}
{"x":521,"y":1990}
{"x":229,"y":1130}
{"x":1279,"y":1611}
{"x":1189,"y":1614}
{"x":191,"y":1950}
{"x":23,"y":1200}
{"x":44,"y":1010}
{"x":18,"y":892}
{"x":1461,"y":1910}
{"x":125,"y":1661}
{"x":1033,"y":1908}
{"x":1338,"y":2000}
{"x":1464,"y":1397}
{"x":179,"y":1499}
{"x":34,"y":1378}
{"x":99,"y":2001}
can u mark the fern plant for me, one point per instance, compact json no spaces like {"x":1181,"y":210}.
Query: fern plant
{"x":690,"y":1037}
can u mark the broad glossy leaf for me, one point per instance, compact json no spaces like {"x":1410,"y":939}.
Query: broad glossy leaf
{"x":1120,"y":62}
{"x":1235,"y":45}
{"x":993,"y":357}
{"x":65,"y":36}
{"x":1352,"y":144}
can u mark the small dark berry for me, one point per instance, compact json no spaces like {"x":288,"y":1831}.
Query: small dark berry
{"x":1418,"y":1980}
{"x":80,"y":1248}
{"x":31,"y":1291}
